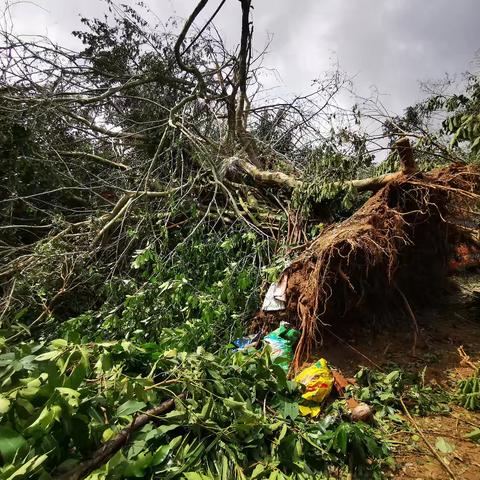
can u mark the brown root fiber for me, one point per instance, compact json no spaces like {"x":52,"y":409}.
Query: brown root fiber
{"x":396,"y":244}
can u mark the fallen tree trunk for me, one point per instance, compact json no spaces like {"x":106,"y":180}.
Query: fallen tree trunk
{"x":282,"y":180}
{"x":395,"y":246}
{"x":371,"y":184}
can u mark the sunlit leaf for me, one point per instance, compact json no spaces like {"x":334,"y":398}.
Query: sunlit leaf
{"x":129,"y":407}
{"x":28,"y":467}
{"x":4,"y":404}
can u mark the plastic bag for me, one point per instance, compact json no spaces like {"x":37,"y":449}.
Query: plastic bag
{"x":276,"y":298}
{"x":245,"y":343}
{"x":318,"y":380}
{"x":282,"y":340}
{"x":306,"y":410}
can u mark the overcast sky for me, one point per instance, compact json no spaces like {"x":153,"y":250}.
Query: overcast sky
{"x":387,"y":44}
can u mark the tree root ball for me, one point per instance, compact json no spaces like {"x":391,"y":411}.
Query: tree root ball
{"x":362,"y":413}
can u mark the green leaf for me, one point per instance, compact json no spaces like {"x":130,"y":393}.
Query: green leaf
{"x":233,"y":404}
{"x":129,"y":407}
{"x":28,"y":467}
{"x":283,"y":432}
{"x":258,"y":470}
{"x":137,"y":467}
{"x":160,"y":455}
{"x":289,"y":410}
{"x":392,"y":376}
{"x":29,"y":392}
{"x":10,"y":443}
{"x":443,"y":446}
{"x":48,"y":356}
{"x":196,"y":476}
{"x":45,"y":420}
{"x":341,"y":439}
{"x":77,"y":376}
{"x":175,"y":442}
{"x":4,"y":404}
{"x":476,"y":143}
{"x":167,"y":428}
{"x":22,"y":402}
{"x":59,"y":343}
{"x":69,"y":395}
{"x":474,"y":435}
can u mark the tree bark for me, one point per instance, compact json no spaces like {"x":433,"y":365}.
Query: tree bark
{"x":405,"y":152}
{"x":246,"y":140}
{"x":288,"y":182}
{"x":372,"y":184}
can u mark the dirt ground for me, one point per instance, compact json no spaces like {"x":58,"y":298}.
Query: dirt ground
{"x":441,"y":331}
{"x":415,"y":460}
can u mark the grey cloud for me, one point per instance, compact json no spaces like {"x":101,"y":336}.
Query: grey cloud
{"x":388,"y":43}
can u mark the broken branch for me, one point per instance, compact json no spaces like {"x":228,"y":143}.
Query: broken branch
{"x":111,"y":447}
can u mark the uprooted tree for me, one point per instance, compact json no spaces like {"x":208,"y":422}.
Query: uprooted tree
{"x":150,"y":191}
{"x":144,"y":141}
{"x":394,"y":248}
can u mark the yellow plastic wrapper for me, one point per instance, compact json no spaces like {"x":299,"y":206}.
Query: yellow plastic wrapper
{"x":318,"y":380}
{"x":306,"y":411}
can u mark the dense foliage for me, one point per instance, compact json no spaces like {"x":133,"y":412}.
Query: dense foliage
{"x":210,"y":284}
{"x":240,"y":419}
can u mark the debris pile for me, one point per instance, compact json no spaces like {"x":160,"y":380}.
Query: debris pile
{"x":317,"y":379}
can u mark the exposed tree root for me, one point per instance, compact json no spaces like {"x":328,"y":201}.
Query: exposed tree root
{"x":399,"y":239}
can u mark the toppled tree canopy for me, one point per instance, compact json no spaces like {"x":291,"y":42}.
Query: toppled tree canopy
{"x":143,"y":140}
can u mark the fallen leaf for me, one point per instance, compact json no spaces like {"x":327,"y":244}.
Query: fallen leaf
{"x":443,"y":446}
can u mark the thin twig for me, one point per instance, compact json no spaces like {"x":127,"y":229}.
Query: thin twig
{"x":427,"y":443}
{"x":354,"y":349}
{"x":412,"y":316}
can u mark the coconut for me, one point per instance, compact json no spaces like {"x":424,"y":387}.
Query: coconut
{"x":362,"y":413}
